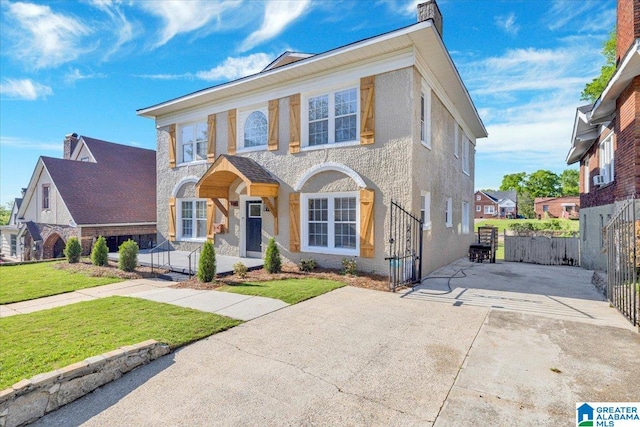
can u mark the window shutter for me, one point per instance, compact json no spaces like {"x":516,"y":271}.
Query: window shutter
{"x":367,"y":107}
{"x":366,"y":223}
{"x":172,"y":219}
{"x":172,"y":146}
{"x":273,"y":125}
{"x":231,"y":130}
{"x":294,"y":222}
{"x":211,"y":142}
{"x":294,"y":123}
{"x":211,"y":210}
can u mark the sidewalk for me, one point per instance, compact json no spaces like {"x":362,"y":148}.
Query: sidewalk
{"x":242,"y":307}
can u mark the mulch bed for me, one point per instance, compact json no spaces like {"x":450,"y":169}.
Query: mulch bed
{"x":291,"y":271}
{"x":111,"y":270}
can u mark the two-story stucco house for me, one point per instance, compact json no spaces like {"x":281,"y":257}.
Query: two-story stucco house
{"x":313,"y":149}
{"x":606,"y":141}
{"x":98,"y":188}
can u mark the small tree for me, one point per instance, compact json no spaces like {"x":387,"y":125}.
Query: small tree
{"x":73,"y":250}
{"x":272,"y":260}
{"x":100,"y":252}
{"x":207,"y":263}
{"x":128,"y":255}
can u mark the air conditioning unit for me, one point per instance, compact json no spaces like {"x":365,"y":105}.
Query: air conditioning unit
{"x":598,"y":180}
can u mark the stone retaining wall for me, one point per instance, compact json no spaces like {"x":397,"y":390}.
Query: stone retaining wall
{"x":28,"y":400}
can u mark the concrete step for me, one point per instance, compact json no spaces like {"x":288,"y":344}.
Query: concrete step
{"x":174,"y":276}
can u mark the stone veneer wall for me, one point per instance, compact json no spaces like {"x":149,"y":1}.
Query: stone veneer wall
{"x":31,"y":399}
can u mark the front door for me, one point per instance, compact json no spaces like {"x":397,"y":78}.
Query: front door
{"x":254,"y":229}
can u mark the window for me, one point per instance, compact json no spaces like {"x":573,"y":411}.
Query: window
{"x":330,"y":223}
{"x":456,"y":137}
{"x":478,"y":208}
{"x":253,"y":129}
{"x":466,"y":153}
{"x":14,"y":245}
{"x":193,"y":219}
{"x":545,"y":208}
{"x":448,"y":212}
{"x":478,"y":197}
{"x":193,"y":142}
{"x":425,"y":210}
{"x":45,"y":196}
{"x":465,"y":217}
{"x":489,"y":210}
{"x":587,"y":176}
{"x":333,"y":117}
{"x":84,"y":159}
{"x":425,"y":115}
{"x":606,"y":159}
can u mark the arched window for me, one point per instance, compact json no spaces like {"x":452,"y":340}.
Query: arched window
{"x":255,"y":130}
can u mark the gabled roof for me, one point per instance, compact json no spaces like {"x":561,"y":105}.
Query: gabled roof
{"x":120,"y":188}
{"x":422,"y":37}
{"x":17,"y":202}
{"x":499,"y":196}
{"x":287,"y":57}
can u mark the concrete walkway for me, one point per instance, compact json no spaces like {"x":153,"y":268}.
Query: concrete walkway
{"x":237,"y":306}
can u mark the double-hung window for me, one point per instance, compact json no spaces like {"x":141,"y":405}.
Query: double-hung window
{"x":193,"y":142}
{"x":193,"y":219}
{"x":466,"y":154}
{"x":587,"y":175}
{"x":456,"y":139}
{"x":448,"y":212}
{"x":425,"y":115}
{"x":425,"y":210}
{"x":465,"y":217}
{"x":606,"y":159}
{"x":489,"y":209}
{"x":330,"y":223}
{"x":333,"y":117}
{"x":46,"y":194}
{"x":14,"y":245}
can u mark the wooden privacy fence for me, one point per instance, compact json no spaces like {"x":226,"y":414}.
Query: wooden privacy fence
{"x":542,"y":250}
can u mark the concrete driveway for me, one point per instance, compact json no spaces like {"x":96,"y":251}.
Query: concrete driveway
{"x":362,"y":357}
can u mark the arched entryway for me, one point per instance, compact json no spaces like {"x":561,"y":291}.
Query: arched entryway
{"x":53,"y":247}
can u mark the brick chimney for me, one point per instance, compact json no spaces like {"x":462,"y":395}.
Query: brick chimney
{"x":628,"y":26}
{"x":70,"y":142}
{"x":430,"y":10}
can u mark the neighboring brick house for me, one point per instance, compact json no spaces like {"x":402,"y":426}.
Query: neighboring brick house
{"x":496,"y":204}
{"x":313,"y":149}
{"x":99,"y":188}
{"x":606,"y":140}
{"x":567,"y":207}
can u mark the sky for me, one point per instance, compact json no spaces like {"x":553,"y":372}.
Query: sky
{"x":87,"y":66}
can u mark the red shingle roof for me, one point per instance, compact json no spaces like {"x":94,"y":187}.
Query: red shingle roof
{"x":119,"y":189}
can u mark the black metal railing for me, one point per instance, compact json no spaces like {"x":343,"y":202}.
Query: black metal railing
{"x":405,"y":247}
{"x":162,"y":252}
{"x":193,"y":256}
{"x":621,"y":235}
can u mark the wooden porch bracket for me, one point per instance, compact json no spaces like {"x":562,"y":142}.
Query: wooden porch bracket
{"x":273,"y":208}
{"x":224,"y":209}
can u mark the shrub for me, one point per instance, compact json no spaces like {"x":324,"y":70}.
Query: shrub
{"x":73,"y":250}
{"x":100,"y":252}
{"x":349,"y":266}
{"x":240,"y":270}
{"x":207,"y":263}
{"x":128,"y":255}
{"x":308,"y":264}
{"x":272,"y":260}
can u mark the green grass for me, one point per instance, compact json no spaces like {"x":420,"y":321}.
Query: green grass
{"x":28,"y":281}
{"x":502,"y":224}
{"x":291,"y":291}
{"x":39,"y":342}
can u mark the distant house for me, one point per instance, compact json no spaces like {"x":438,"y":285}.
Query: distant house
{"x":496,"y":204}
{"x":99,"y":188}
{"x":557,"y":207}
{"x":606,"y":142}
{"x":9,"y":234}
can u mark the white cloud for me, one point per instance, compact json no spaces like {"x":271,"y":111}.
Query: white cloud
{"x":584,"y":15}
{"x":167,"y":76}
{"x":233,"y":68}
{"x":277,"y":15}
{"x":43,"y":38}
{"x":507,"y":23}
{"x":29,"y":144}
{"x":186,"y":16}
{"x":119,"y":24}
{"x":75,"y":74}
{"x":23,"y":89}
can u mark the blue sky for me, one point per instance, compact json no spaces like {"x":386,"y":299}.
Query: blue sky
{"x":87,"y":66}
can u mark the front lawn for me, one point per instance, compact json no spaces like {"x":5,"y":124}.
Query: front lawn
{"x":291,"y":291}
{"x":28,"y":281}
{"x":39,"y":342}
